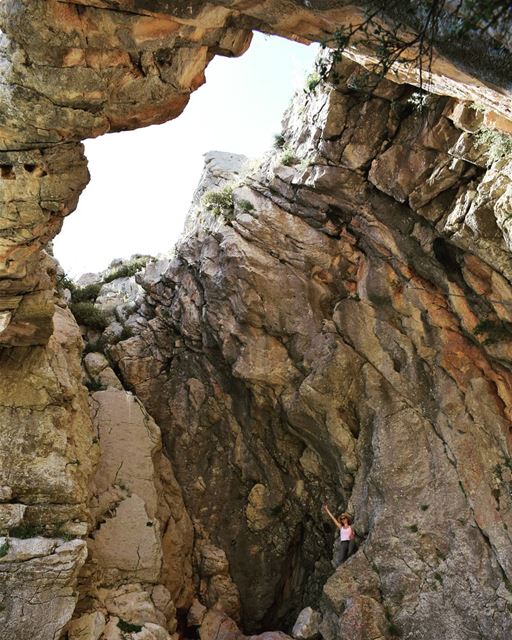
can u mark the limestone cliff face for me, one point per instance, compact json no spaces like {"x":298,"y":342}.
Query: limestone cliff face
{"x":47,"y":454}
{"x":338,"y":328}
{"x":79,"y":68}
{"x":342,"y":333}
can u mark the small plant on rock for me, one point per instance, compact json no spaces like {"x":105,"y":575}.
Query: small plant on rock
{"x":245,"y":205}
{"x":288,"y":158}
{"x":65,"y":282}
{"x":279,"y":141}
{"x":89,"y":293}
{"x":312,"y":82}
{"x":25,"y":531}
{"x":497,"y":144}
{"x":128,"y":627}
{"x":88,"y":315}
{"x":94,"y":385}
{"x":61,"y":532}
{"x":4,"y":548}
{"x":220,"y":203}
{"x":126,"y":270}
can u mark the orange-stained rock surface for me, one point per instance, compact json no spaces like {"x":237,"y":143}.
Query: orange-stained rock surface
{"x":341,"y":332}
{"x":78,"y":69}
{"x":330,"y":339}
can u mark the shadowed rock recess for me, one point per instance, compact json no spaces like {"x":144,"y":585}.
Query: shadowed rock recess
{"x":335,"y":326}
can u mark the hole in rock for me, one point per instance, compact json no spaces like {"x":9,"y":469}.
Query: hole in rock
{"x":7,"y":172}
{"x":142,"y":181}
{"x":447,"y":255}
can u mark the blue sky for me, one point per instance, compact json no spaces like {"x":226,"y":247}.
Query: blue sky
{"x":142,"y":181}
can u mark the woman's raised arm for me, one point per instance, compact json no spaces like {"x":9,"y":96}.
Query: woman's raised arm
{"x":327,"y":511}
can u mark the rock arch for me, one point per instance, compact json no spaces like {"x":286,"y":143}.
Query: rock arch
{"x":77,"y":69}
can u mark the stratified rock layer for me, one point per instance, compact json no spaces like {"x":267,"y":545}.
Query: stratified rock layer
{"x":336,"y":336}
{"x":79,"y":68}
{"x":346,"y":336}
{"x":47,"y":454}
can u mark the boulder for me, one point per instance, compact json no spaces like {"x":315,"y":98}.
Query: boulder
{"x":307,"y":625}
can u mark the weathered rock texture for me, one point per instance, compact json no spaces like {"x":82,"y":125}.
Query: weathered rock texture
{"x":38,"y":586}
{"x":343,"y":333}
{"x":46,"y":457}
{"x":79,"y":68}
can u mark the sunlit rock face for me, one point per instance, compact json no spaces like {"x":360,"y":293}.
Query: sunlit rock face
{"x":339,"y":332}
{"x":46,"y":457}
{"x":343,"y":334}
{"x":78,"y":69}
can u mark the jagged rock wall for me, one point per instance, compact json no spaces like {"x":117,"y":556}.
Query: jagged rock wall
{"x":78,"y":69}
{"x":139,"y":567}
{"x":337,"y":335}
{"x":46,"y":458}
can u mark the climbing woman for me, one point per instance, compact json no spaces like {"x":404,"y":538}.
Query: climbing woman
{"x":347,"y":536}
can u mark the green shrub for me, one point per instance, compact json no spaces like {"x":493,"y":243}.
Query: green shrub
{"x":25,"y":531}
{"x":128,"y":627}
{"x":65,"y":282}
{"x":220,"y":203}
{"x":94,"y":385}
{"x":60,"y":532}
{"x":279,"y":141}
{"x":312,"y":82}
{"x":4,"y":548}
{"x":288,"y":158}
{"x":89,"y":293}
{"x":88,"y":315}
{"x":245,"y":205}
{"x":497,"y":144}
{"x":126,"y":270}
